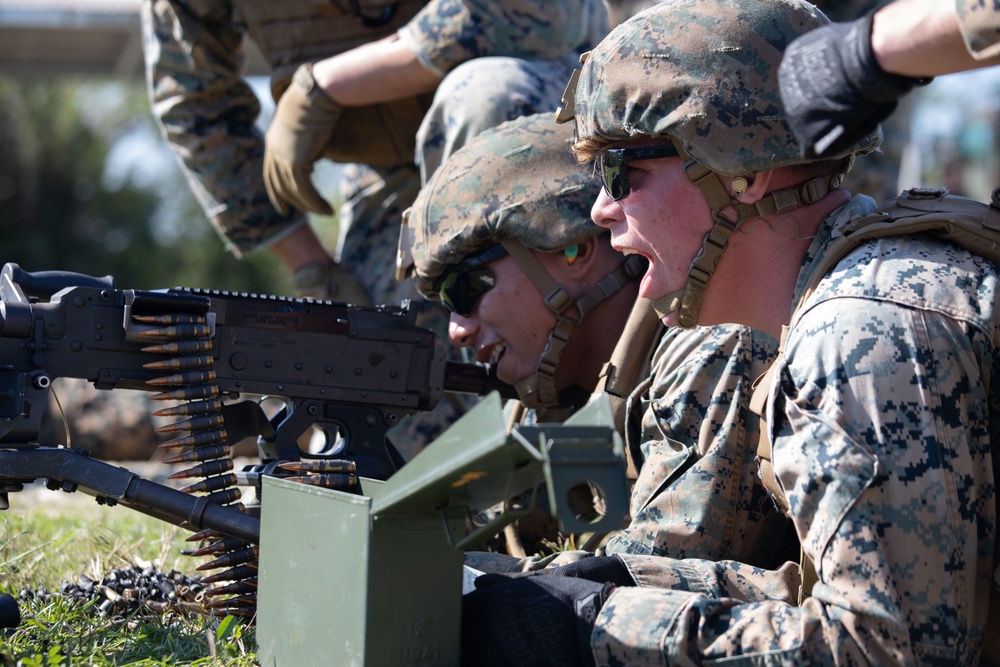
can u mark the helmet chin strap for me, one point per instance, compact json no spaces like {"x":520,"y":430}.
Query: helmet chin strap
{"x":687,"y":301}
{"x":539,"y":388}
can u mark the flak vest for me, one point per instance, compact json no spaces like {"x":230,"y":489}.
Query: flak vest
{"x":964,"y":222}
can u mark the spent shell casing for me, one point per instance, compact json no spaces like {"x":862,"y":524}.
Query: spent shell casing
{"x":170,"y":319}
{"x":330,"y":481}
{"x":320,"y":465}
{"x":244,"y":555}
{"x":238,"y":588}
{"x":188,"y":393}
{"x":200,"y":423}
{"x":221,"y":546}
{"x":156,"y":605}
{"x":240,"y":612}
{"x":188,"y":379}
{"x":180,"y":363}
{"x":206,"y":453}
{"x":185,"y":347}
{"x":191,"y":409}
{"x":177,"y":332}
{"x":235,"y":574}
{"x":199,"y":439}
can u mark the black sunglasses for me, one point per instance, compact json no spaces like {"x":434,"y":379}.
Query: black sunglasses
{"x":461,"y":286}
{"x":612,"y":162}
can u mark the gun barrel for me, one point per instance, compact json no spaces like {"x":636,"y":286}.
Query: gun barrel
{"x":74,"y":470}
{"x":475,"y":379}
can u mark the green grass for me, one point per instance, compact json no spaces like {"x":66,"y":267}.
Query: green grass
{"x":44,"y":544}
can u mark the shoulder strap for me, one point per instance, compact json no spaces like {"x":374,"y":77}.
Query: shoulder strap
{"x":630,"y":360}
{"x":965,"y":222}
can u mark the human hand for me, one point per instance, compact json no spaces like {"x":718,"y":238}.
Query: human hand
{"x":537,"y":620}
{"x":303,"y":123}
{"x":833,"y":89}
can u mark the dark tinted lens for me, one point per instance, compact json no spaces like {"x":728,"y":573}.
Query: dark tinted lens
{"x":461,"y":288}
{"x":613,"y":173}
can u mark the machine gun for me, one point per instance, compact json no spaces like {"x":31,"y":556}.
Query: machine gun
{"x":350,"y":372}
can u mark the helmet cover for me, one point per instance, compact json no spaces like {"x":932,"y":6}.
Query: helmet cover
{"x":518,"y":180}
{"x":704,"y":72}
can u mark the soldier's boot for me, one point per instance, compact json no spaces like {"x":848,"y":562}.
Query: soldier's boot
{"x":329,"y":281}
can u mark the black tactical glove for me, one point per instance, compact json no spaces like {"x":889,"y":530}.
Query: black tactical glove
{"x":601,"y":569}
{"x":833,"y":89}
{"x":538,"y":618}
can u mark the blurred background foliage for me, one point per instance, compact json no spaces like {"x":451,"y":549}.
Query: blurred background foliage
{"x":88,"y":185}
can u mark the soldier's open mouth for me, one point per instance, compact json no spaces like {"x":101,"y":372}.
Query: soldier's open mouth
{"x":498,"y":352}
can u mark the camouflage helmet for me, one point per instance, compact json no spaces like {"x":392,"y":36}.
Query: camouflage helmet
{"x":518,"y":180}
{"x":704,"y":75}
{"x":518,"y":186}
{"x":704,"y":72}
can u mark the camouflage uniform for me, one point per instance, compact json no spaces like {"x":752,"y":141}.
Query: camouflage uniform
{"x":882,"y":427}
{"x":980,"y":26}
{"x":883,"y":412}
{"x":207,"y":110}
{"x":695,"y":443}
{"x":517,"y":56}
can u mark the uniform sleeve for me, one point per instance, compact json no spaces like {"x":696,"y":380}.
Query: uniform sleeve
{"x":446,"y":33}
{"x":980,"y":26}
{"x":207,"y":111}
{"x":698,"y":495}
{"x":883,"y":451}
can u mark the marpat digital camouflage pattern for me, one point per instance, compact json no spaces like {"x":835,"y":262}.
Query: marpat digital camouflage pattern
{"x":516,"y":181}
{"x":705,"y":72}
{"x":883,"y":419}
{"x":449,"y":32}
{"x":882,"y":424}
{"x":979,"y":22}
{"x":694,"y":440}
{"x":208,"y":111}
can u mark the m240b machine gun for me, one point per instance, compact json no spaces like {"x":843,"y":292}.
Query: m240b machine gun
{"x":384,"y":540}
{"x":348,"y":372}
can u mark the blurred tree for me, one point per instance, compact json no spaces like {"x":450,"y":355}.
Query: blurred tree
{"x":59,"y":211}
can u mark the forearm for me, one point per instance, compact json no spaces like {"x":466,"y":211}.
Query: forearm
{"x":445,"y":34}
{"x":207,"y":113}
{"x":920,"y":38}
{"x":377,"y":72}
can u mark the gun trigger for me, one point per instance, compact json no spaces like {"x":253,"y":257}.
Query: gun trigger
{"x":246,"y":419}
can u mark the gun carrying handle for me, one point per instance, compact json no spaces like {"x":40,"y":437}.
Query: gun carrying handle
{"x":43,"y":284}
